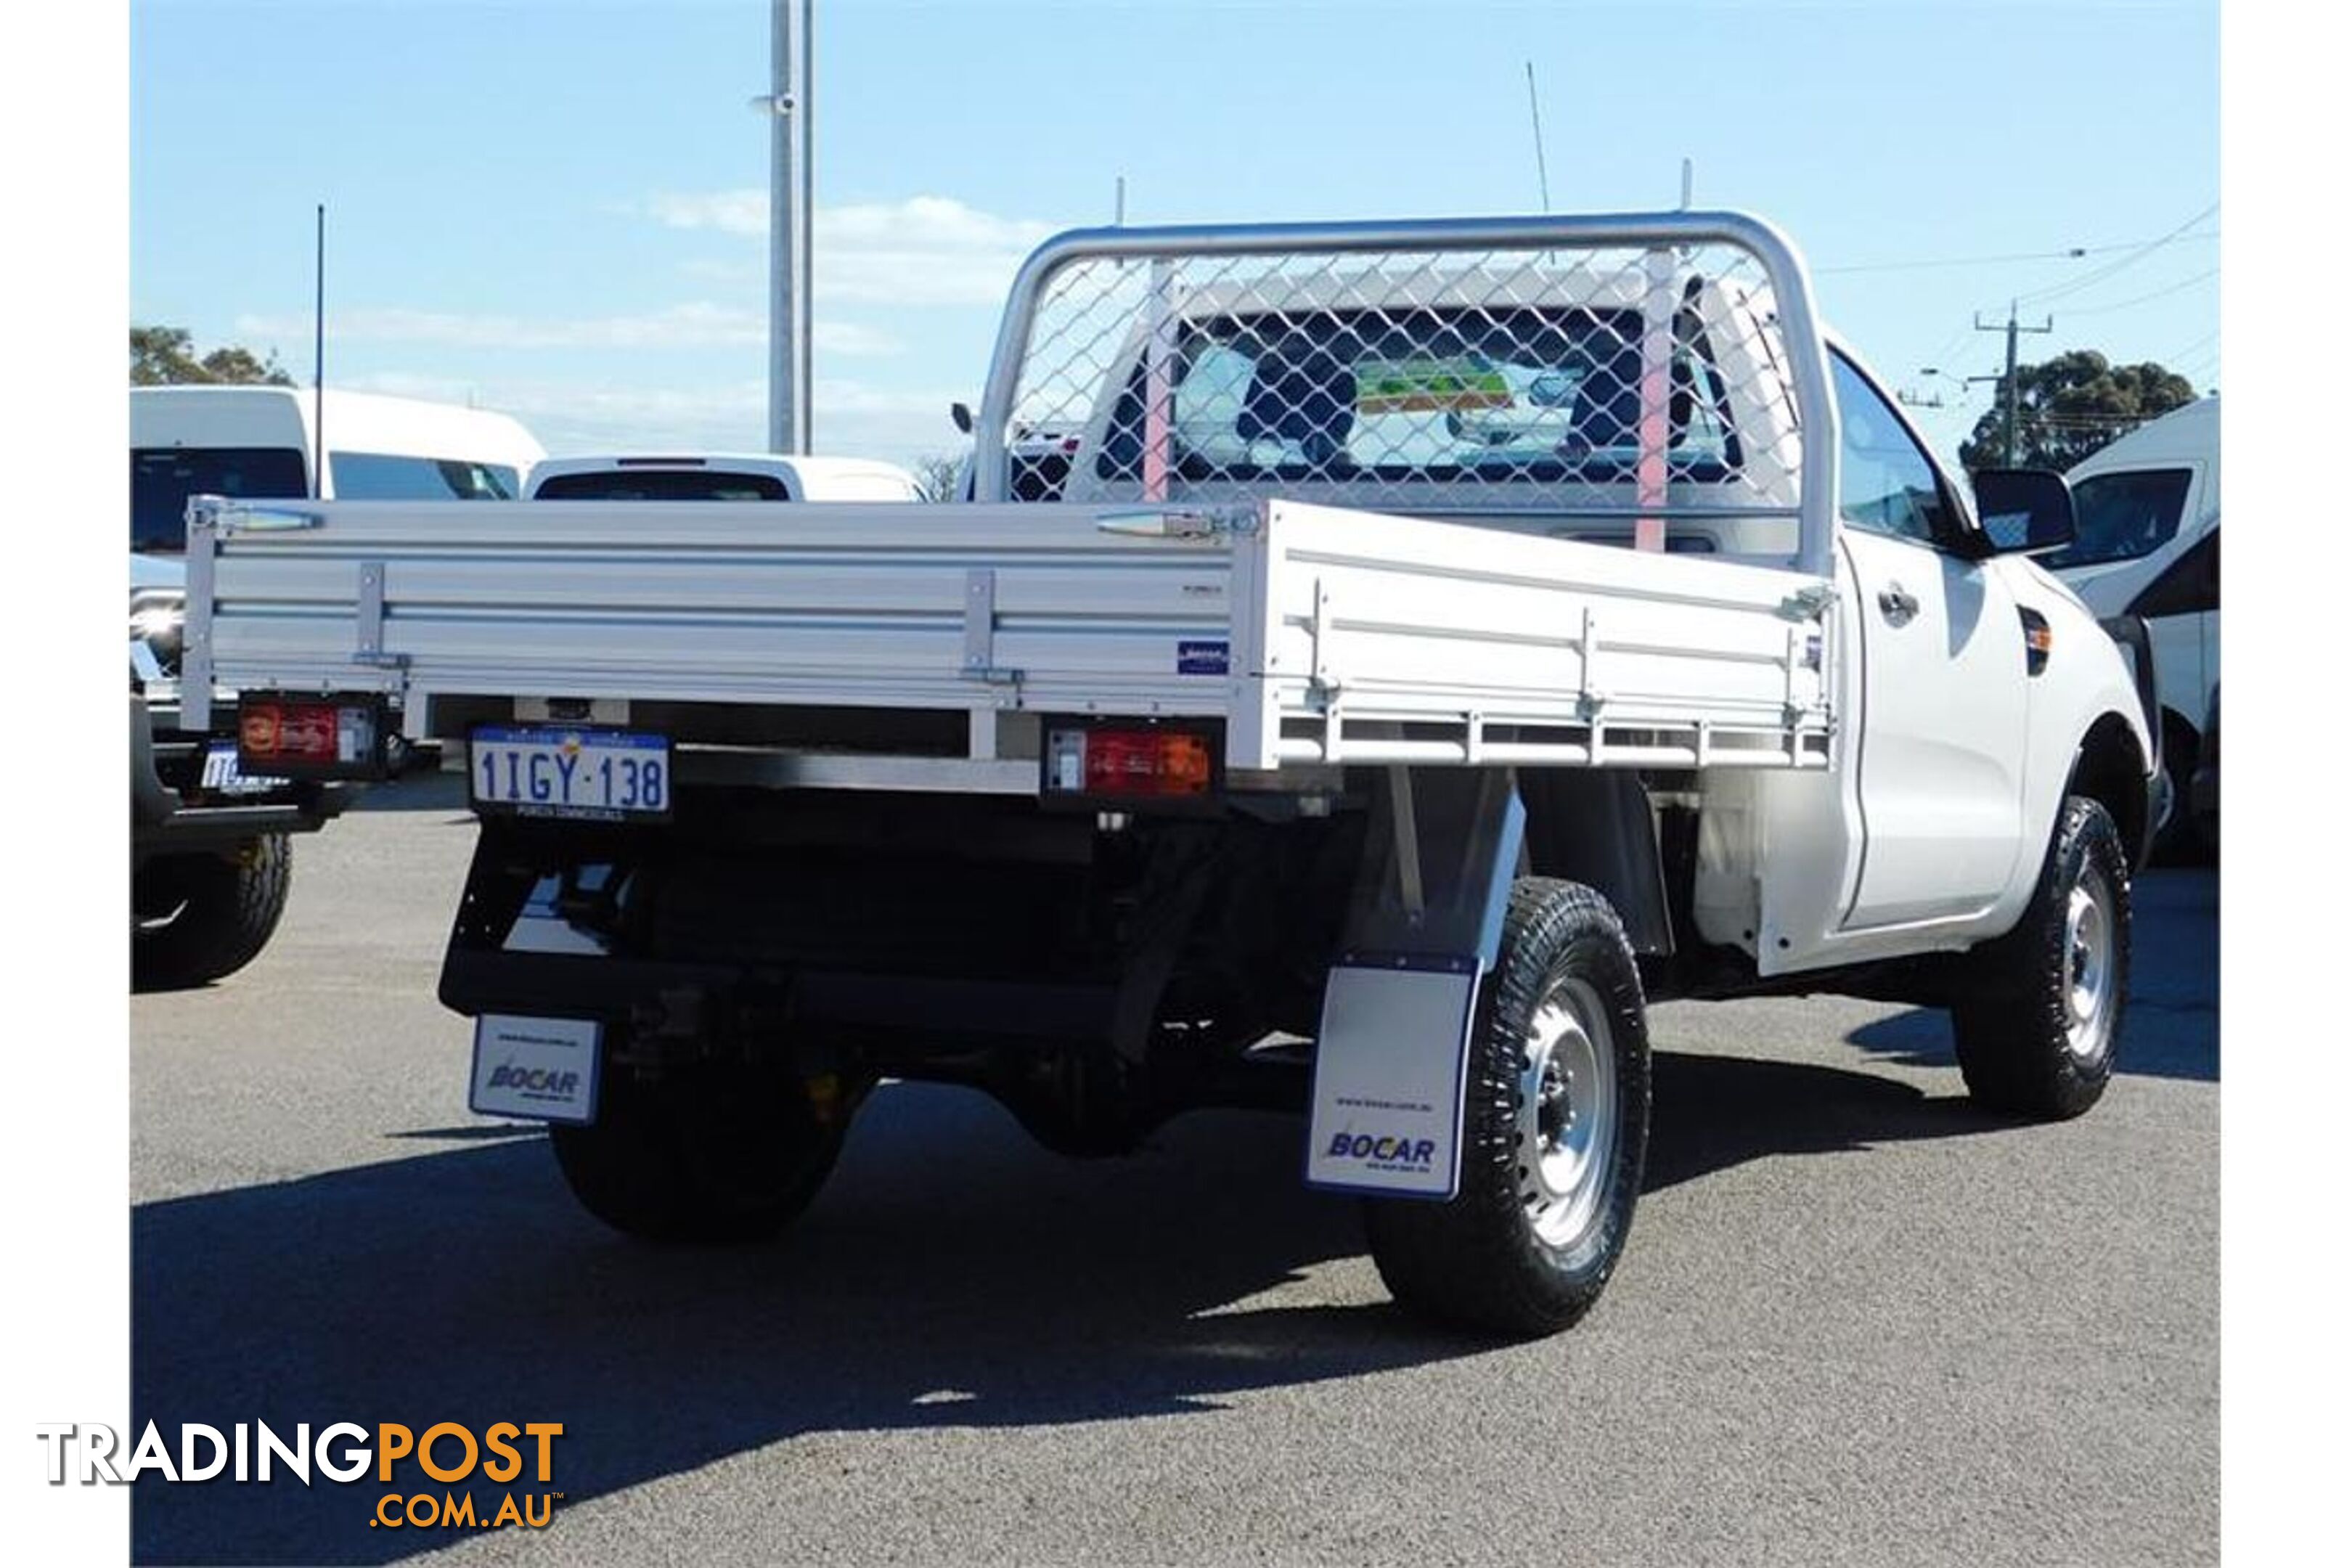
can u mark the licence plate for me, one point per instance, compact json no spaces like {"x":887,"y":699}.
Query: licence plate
{"x":223,"y":776}
{"x":607,"y":775}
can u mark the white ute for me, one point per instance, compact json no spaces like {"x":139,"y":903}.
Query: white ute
{"x":210,"y":858}
{"x":1442,"y":638}
{"x":720,"y":476}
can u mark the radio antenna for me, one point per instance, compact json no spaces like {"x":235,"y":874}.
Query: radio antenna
{"x":319,"y":361}
{"x":1535,"y":119}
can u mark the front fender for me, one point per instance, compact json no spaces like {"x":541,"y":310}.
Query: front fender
{"x":150,"y":802}
{"x":2087,"y":730}
{"x":2091,"y":726}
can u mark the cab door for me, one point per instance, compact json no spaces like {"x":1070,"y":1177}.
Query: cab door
{"x":1942,"y":731}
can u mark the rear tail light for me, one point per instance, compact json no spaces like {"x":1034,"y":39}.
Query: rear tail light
{"x":1130,"y":762}
{"x":311,"y":737}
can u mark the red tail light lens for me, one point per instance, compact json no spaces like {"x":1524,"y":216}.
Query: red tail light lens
{"x":310,"y":736}
{"x":1140,"y":763}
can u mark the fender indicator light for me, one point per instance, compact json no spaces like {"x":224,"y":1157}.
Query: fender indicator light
{"x":2038,"y":640}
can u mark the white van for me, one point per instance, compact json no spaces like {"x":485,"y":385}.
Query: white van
{"x":2147,"y":542}
{"x":263,"y":442}
{"x":722,"y":476}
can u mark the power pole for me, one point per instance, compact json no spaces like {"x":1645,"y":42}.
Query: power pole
{"x":2008,"y":377}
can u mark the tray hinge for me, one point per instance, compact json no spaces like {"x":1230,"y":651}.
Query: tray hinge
{"x":370,"y":621}
{"x":980,"y":630}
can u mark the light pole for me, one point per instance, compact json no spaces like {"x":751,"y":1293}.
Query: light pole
{"x":790,"y":103}
{"x":1962,"y":382}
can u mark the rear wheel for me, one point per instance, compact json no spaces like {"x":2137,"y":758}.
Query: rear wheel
{"x":2038,"y":1030}
{"x":196,"y":918}
{"x":1554,"y":1131}
{"x":712,"y":1152}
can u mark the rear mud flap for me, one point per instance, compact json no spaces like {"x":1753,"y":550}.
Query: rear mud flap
{"x":1424,"y":927}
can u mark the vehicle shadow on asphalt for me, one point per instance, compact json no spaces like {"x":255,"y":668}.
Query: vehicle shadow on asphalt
{"x":436,"y":791}
{"x":2172,"y":1026}
{"x":952,"y":1274}
{"x":2160,"y":1040}
{"x":1710,"y":1113}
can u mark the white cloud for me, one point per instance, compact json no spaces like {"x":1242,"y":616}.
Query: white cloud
{"x":849,"y":339}
{"x":711,"y":272}
{"x":925,"y":250}
{"x":695,"y":325}
{"x":731,"y":212}
{"x":698,"y":324}
{"x":853,"y":419}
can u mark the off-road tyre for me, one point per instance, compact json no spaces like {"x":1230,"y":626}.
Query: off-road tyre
{"x":708,"y":1154}
{"x":1479,"y":1261}
{"x":2040,"y":1016}
{"x":207,"y":916}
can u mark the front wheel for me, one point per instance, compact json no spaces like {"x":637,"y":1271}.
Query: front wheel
{"x":711,"y":1153}
{"x":1554,"y":1131}
{"x":2037,"y":1029}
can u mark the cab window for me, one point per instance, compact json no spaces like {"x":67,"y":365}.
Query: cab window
{"x":1887,"y":482}
{"x":1414,"y":394}
{"x":163,"y":477}
{"x":661,"y":484}
{"x":2124,"y":515}
{"x":386,"y":476}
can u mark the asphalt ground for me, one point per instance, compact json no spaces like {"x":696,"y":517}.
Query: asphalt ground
{"x":1857,"y":1322}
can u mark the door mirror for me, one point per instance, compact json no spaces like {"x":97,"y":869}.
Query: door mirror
{"x":2023,"y":511}
{"x":961,"y":413}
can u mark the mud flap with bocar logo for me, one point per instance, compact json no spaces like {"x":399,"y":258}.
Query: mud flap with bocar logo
{"x":1424,"y":928}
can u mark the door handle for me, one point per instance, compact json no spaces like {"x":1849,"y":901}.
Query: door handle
{"x":1896,"y":603}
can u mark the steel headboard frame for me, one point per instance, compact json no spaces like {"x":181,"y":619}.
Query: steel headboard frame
{"x":1520,"y":264}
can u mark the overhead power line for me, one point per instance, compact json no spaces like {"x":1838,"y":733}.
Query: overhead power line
{"x":2144,"y":298}
{"x":2100,"y":274}
{"x":2069,"y":254}
{"x":2186,"y":350}
{"x":1956,"y":261}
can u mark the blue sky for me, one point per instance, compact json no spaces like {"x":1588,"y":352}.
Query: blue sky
{"x":558,"y":209}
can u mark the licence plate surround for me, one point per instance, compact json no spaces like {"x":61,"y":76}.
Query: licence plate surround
{"x":576,"y":773}
{"x":219,"y":772}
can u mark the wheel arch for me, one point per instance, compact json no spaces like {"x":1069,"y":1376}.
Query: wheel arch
{"x":1596,"y":828}
{"x":2111,"y":768}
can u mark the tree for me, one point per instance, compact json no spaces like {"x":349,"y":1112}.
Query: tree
{"x":941,"y":475}
{"x":166,"y":357}
{"x":2070,"y":407}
